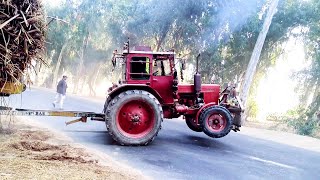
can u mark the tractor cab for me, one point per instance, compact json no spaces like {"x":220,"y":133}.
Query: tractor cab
{"x":142,"y":67}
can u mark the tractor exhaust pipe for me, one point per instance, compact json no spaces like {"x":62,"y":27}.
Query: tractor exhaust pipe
{"x":197,"y":80}
{"x":197,"y":64}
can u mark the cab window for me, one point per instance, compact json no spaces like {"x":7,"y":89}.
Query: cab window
{"x":140,"y":68}
{"x":161,"y":67}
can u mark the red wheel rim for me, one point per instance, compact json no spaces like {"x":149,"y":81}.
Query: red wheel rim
{"x":216,"y":122}
{"x":135,"y":119}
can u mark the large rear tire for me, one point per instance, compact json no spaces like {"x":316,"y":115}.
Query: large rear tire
{"x":134,"y":117}
{"x":216,"y":121}
{"x":190,"y":121}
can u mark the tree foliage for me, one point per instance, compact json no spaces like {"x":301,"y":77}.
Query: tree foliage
{"x":224,"y":32}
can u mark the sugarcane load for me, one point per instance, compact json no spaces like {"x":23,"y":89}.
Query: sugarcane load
{"x":22,"y":28}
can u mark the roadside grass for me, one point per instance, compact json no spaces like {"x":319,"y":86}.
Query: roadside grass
{"x":291,"y":125}
{"x":31,"y":152}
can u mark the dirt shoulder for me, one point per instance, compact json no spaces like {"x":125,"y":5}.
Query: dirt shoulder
{"x":30,"y":152}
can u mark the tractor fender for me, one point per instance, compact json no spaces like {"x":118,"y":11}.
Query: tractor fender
{"x":125,"y":87}
{"x":203,"y":107}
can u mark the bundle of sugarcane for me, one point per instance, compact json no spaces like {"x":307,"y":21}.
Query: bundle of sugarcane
{"x":22,"y":28}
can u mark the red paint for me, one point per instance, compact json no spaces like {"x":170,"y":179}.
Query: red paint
{"x":126,"y":87}
{"x":216,"y":122}
{"x":161,"y":84}
{"x":203,"y":107}
{"x":135,"y":119}
{"x":191,"y":111}
{"x":210,"y":91}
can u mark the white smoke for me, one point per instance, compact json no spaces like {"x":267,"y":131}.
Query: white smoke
{"x":229,"y":17}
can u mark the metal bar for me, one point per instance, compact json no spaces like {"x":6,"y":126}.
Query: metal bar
{"x":140,"y":73}
{"x":82,"y":119}
{"x":98,"y":119}
{"x":30,"y":112}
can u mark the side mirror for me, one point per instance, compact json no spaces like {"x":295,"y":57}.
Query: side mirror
{"x":114,"y":58}
{"x":126,"y":46}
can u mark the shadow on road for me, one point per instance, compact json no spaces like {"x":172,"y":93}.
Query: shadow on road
{"x":196,"y":141}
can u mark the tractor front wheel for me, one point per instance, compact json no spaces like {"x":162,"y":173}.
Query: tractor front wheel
{"x":216,"y":121}
{"x":134,"y":117}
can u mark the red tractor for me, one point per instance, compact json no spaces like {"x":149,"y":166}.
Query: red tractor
{"x":149,"y":92}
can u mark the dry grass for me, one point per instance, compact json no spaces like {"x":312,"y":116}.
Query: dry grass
{"x":32,"y":153}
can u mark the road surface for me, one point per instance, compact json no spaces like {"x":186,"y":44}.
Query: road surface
{"x":179,"y":153}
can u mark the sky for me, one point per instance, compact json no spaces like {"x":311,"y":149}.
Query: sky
{"x":52,"y":2}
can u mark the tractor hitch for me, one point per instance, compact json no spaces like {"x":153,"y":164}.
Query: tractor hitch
{"x":82,"y":119}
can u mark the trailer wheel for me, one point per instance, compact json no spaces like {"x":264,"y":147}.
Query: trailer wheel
{"x":134,"y":117}
{"x":216,"y":121}
{"x":192,"y":125}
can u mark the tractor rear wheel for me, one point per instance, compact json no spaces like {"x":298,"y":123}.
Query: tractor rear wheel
{"x":216,"y":121}
{"x":134,"y":117}
{"x":192,"y":125}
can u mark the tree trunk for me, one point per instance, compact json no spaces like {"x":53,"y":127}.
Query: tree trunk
{"x":78,"y":70}
{"x":56,"y":71}
{"x":83,"y":85}
{"x":80,"y":66}
{"x":313,"y":108}
{"x":251,"y":69}
{"x":93,"y":79}
{"x":158,"y":43}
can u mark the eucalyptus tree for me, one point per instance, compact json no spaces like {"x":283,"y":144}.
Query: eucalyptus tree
{"x":309,"y":78}
{"x":227,"y":38}
{"x":254,"y":60}
{"x":84,"y":23}
{"x":58,"y":36}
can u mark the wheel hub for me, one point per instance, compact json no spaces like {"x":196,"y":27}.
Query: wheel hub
{"x":135,"y":119}
{"x":216,"y":122}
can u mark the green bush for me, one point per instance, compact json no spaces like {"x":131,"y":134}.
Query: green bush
{"x":252,"y":108}
{"x":301,"y":123}
{"x":304,"y":127}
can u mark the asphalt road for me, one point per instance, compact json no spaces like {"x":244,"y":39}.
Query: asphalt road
{"x":179,"y":153}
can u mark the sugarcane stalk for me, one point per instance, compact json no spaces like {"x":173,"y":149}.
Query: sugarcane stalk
{"x":8,"y":21}
{"x":22,"y":25}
